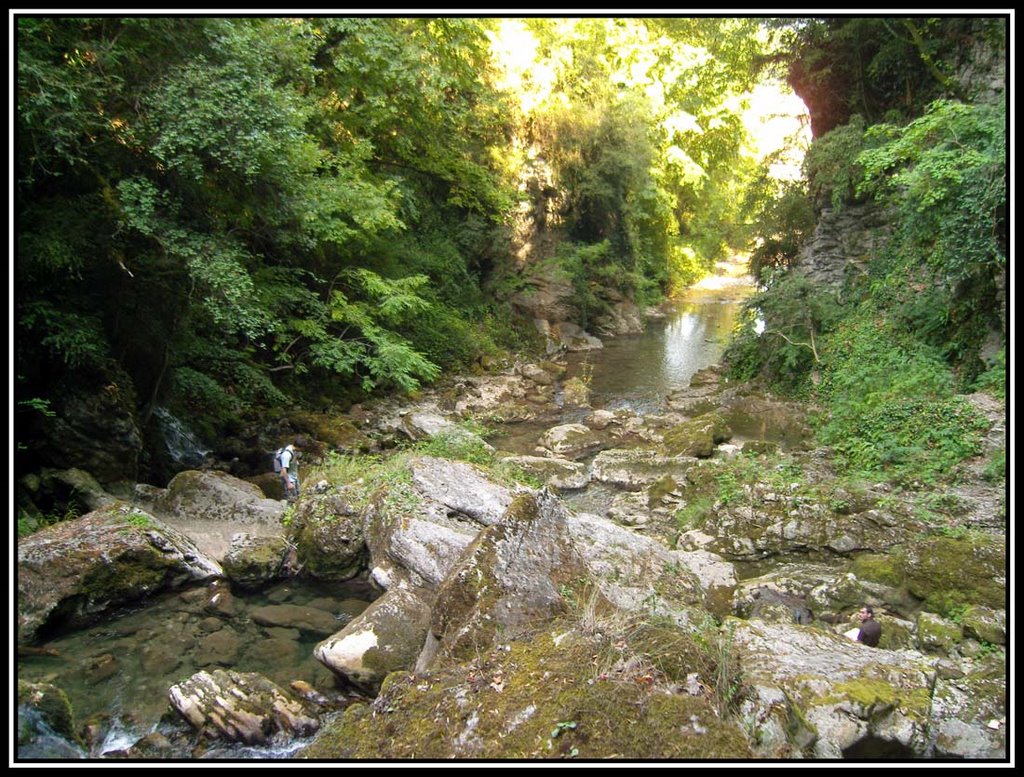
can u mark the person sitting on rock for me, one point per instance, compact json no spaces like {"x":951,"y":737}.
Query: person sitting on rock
{"x":870,"y":629}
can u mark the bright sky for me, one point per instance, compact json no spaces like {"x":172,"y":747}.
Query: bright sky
{"x":777,"y":115}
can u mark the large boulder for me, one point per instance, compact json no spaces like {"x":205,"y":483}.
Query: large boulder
{"x":768,"y":520}
{"x":211,"y":507}
{"x":697,"y":437}
{"x":819,"y":694}
{"x":327,"y":531}
{"x":968,"y":714}
{"x":386,"y":637}
{"x":571,"y":441}
{"x":636,"y":469}
{"x":217,"y":496}
{"x":416,"y":531}
{"x":556,"y":473}
{"x":72,"y":572}
{"x":950,"y":572}
{"x":511,"y":576}
{"x":241,"y":707}
{"x":255,"y":562}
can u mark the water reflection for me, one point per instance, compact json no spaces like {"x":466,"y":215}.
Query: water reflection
{"x":640,"y":371}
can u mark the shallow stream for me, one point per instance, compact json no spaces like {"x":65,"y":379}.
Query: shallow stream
{"x":117,"y":673}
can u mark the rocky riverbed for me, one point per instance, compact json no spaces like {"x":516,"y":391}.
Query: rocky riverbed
{"x":662,"y":585}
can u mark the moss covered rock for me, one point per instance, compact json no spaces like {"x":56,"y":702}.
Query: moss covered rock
{"x":540,"y":698}
{"x":253,"y":562}
{"x":52,"y":707}
{"x":840,"y":693}
{"x":938,"y":635}
{"x":71,"y":573}
{"x":327,"y":531}
{"x":950,"y":572}
{"x":698,"y":436}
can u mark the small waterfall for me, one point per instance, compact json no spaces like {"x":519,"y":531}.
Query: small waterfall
{"x":182,"y":444}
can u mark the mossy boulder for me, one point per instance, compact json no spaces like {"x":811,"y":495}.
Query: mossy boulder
{"x":71,"y":573}
{"x":698,"y":436}
{"x":947,"y":573}
{"x":254,"y":562}
{"x":327,"y":531}
{"x":539,"y":698}
{"x":556,"y":473}
{"x":841,"y":693}
{"x":985,"y":624}
{"x":938,"y":635}
{"x":968,"y":715}
{"x":217,"y":496}
{"x":49,"y":705}
{"x":334,"y":430}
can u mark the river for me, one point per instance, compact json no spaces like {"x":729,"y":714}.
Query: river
{"x":640,"y":371}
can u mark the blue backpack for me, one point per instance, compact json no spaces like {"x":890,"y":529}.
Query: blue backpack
{"x":277,"y":459}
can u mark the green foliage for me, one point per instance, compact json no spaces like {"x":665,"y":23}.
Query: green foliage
{"x":891,"y":409}
{"x":39,"y":405}
{"x":139,"y":520}
{"x":993,"y":380}
{"x":76,"y":339}
{"x":882,"y":66}
{"x":27,"y":524}
{"x":946,"y":173}
{"x":995,"y":470}
{"x":795,"y":316}
{"x":782,"y":222}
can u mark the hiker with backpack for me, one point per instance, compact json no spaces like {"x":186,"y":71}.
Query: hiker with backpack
{"x":285,"y":465}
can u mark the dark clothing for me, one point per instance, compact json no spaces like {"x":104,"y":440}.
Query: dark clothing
{"x":870,"y":631}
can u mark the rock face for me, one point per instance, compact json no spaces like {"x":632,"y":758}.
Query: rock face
{"x":823,"y":692}
{"x":241,"y":707}
{"x":639,"y":574}
{"x":96,"y":431}
{"x":842,"y":243}
{"x":417,"y":535}
{"x":72,"y":572}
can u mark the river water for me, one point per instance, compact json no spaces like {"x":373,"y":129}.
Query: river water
{"x":640,"y":371}
{"x":117,"y":673}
